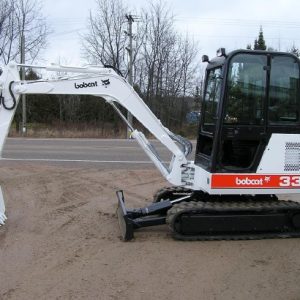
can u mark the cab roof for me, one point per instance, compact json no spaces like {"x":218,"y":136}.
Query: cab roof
{"x":219,"y":61}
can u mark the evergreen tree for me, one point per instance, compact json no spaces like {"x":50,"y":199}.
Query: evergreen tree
{"x":260,"y":44}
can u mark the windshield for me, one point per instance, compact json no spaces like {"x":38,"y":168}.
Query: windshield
{"x":212,"y":96}
{"x":246,"y":89}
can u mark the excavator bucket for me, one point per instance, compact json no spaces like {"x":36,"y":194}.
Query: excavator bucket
{"x":2,"y":209}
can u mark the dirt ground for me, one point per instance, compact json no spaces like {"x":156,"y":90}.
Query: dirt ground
{"x":62,"y":241}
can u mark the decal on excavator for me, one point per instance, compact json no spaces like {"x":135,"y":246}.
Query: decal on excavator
{"x":85,"y":85}
{"x":250,"y":181}
{"x":105,"y":82}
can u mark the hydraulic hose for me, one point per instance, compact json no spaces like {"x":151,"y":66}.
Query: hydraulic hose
{"x":13,"y":98}
{"x":185,"y":144}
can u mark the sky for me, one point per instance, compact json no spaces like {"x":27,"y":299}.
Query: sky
{"x":212,"y":24}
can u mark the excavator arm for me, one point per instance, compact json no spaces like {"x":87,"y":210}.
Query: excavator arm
{"x":106,"y":84}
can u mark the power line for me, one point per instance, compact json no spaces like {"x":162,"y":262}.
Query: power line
{"x":238,"y":20}
{"x":68,"y":31}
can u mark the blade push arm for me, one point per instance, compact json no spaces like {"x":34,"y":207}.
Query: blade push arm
{"x":104,"y":83}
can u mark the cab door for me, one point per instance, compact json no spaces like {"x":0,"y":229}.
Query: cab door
{"x":209,"y":117}
{"x":243,"y":124}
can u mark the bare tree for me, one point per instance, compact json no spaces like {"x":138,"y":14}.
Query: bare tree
{"x":105,"y":42}
{"x":155,"y":53}
{"x":164,"y":61}
{"x":5,"y":10}
{"x":167,"y":64}
{"x":8,"y":29}
{"x":23,"y":17}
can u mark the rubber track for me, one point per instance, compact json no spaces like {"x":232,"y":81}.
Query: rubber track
{"x":229,"y":206}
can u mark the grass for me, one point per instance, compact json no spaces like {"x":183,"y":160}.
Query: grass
{"x":85,"y":130}
{"x":68,"y":130}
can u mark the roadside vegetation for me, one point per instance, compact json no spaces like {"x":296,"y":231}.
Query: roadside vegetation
{"x":166,"y":69}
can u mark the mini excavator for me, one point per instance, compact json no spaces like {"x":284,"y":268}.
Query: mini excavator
{"x":247,"y":152}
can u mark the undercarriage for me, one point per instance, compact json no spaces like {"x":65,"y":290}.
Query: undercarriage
{"x":199,"y":216}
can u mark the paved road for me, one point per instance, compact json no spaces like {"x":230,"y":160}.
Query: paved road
{"x":112,"y":153}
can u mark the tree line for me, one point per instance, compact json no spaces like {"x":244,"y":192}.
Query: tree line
{"x":260,"y":44}
{"x":165,"y":63}
{"x":166,"y":70}
{"x":21,"y":18}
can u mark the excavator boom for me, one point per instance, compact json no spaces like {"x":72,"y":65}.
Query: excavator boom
{"x":105,"y":84}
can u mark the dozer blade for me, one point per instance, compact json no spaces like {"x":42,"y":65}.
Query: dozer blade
{"x":132,"y":219}
{"x":2,"y":209}
{"x":125,"y":223}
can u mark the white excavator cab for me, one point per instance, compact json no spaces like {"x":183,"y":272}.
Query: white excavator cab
{"x":249,"y":96}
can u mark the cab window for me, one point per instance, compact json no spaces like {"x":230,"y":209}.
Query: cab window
{"x":284,"y":91}
{"x":212,"y":96}
{"x":246,"y":89}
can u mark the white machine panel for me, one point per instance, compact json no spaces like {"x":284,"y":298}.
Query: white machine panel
{"x":282,"y":155}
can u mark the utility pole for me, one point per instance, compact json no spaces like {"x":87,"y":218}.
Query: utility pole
{"x":130,"y":20}
{"x":22,"y":52}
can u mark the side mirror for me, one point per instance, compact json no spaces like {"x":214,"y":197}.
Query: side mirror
{"x":205,"y":58}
